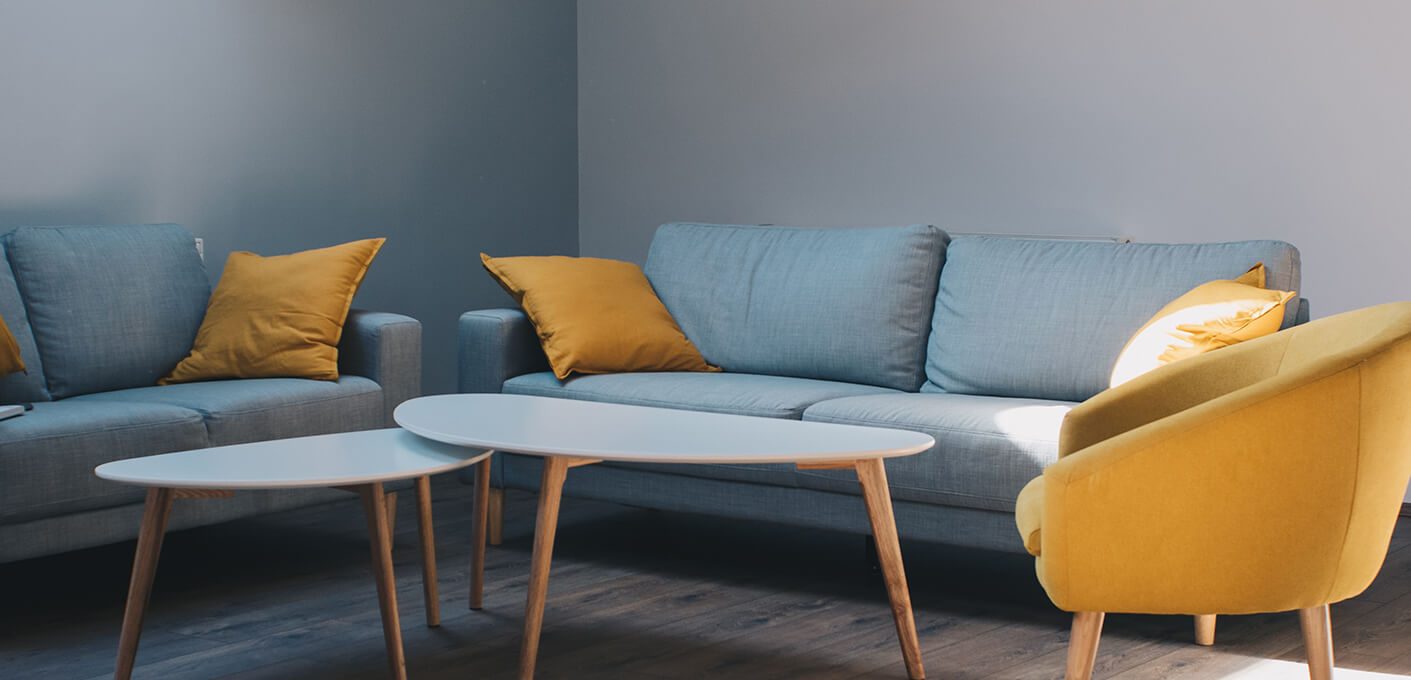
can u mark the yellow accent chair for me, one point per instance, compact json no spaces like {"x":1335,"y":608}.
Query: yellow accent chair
{"x":1262,"y":477}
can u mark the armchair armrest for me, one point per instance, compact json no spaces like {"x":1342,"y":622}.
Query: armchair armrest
{"x":385,"y":348}
{"x":1241,"y":504}
{"x":1175,"y":388}
{"x":496,"y":345}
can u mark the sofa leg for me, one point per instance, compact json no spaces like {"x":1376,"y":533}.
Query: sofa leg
{"x":1318,"y":641}
{"x":1205,"y":629}
{"x":869,"y":554}
{"x":496,"y":519}
{"x":1082,"y":645}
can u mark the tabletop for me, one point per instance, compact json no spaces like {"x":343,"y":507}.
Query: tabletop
{"x":619,"y":432}
{"x":342,"y":459}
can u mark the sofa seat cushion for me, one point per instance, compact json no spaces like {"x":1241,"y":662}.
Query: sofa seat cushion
{"x":111,"y":307}
{"x":240,"y":411}
{"x":47,"y":456}
{"x":1047,"y":319}
{"x":832,"y":304}
{"x":736,"y":393}
{"x":987,"y":448}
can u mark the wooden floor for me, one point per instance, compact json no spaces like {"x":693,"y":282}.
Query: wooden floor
{"x":635,"y":594}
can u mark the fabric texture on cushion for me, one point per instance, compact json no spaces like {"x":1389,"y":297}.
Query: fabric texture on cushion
{"x":259,"y":409}
{"x":987,"y":448}
{"x":279,"y":316}
{"x":47,"y":456}
{"x":595,"y":316}
{"x":851,"y":305}
{"x":1047,"y":319}
{"x":745,"y":394}
{"x":28,"y":386}
{"x":1211,"y":316}
{"x":110,"y":306}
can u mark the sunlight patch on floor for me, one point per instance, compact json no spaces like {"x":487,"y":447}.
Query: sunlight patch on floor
{"x":1280,"y":670}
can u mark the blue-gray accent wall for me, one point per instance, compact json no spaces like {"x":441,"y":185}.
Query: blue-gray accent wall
{"x":448,"y":127}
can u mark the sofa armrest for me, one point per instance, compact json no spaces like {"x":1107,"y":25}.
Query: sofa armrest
{"x":385,"y":348}
{"x":496,"y":345}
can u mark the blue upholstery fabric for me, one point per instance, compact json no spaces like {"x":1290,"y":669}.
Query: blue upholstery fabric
{"x":47,"y":456}
{"x":28,"y":386}
{"x":739,"y":393}
{"x":496,"y":345}
{"x":385,"y":348}
{"x":1046,"y":318}
{"x":239,"y":411}
{"x":987,"y":448}
{"x":111,"y":307}
{"x":834,"y":304}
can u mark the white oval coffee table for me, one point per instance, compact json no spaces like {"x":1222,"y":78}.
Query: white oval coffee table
{"x":355,"y":461}
{"x":568,"y":433}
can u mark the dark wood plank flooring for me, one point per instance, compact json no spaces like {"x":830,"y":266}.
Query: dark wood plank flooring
{"x":634,"y":594}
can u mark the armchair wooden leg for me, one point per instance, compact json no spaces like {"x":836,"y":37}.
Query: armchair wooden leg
{"x":1205,"y":629}
{"x":497,"y":516}
{"x":1082,"y":645}
{"x":1318,"y":641}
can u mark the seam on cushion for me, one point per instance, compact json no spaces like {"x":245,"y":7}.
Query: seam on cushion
{"x":242,"y":412}
{"x":492,"y":317}
{"x":843,"y":420}
{"x":637,"y":401}
{"x":108,"y":430}
{"x":1352,"y":504}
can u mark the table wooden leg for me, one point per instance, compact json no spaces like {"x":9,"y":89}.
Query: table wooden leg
{"x":144,"y":568}
{"x":873,"y":476}
{"x":550,"y":493}
{"x":479,"y":519}
{"x":375,"y":507}
{"x":427,"y":532}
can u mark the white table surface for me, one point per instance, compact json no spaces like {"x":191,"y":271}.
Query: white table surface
{"x":617,"y":432}
{"x":342,"y":459}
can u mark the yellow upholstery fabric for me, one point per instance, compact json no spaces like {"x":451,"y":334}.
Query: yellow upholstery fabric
{"x":596,"y":316}
{"x":10,"y":360}
{"x":1029,"y":515}
{"x":1261,"y":478}
{"x":278,"y":317}
{"x":1211,"y":316}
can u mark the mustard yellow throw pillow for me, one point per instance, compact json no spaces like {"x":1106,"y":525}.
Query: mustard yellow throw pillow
{"x":10,"y":360}
{"x":278,"y":317}
{"x":595,"y":316}
{"x":1212,"y":315}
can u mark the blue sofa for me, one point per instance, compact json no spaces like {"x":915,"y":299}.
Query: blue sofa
{"x":982,"y":342}
{"x":100,"y":314}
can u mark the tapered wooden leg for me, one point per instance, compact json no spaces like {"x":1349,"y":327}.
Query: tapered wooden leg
{"x":391,"y":517}
{"x":550,"y":493}
{"x":144,"y":568}
{"x":427,"y":533}
{"x":497,"y":515}
{"x":1205,"y":629}
{"x":479,"y":518}
{"x":1082,"y":645}
{"x":873,"y":477}
{"x":1318,"y":641}
{"x":375,"y":507}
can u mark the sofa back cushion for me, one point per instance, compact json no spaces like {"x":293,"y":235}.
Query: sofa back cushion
{"x":28,"y":386}
{"x":111,"y":307}
{"x":834,"y":304}
{"x":1047,"y":319}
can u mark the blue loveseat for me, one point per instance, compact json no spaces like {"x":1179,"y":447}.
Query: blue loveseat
{"x":101,"y":313}
{"x":984,"y":343}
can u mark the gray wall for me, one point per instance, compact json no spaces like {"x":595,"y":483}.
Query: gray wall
{"x":448,"y":127}
{"x":1175,"y":120}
